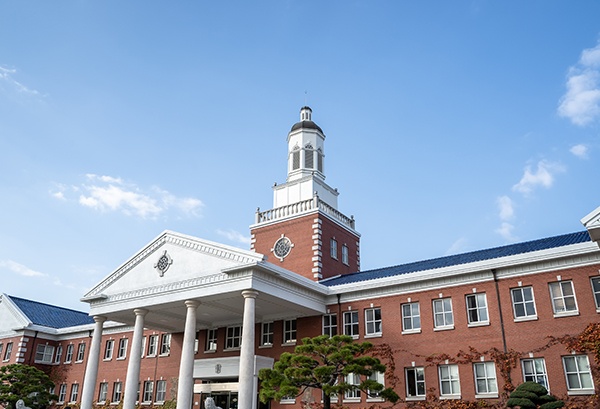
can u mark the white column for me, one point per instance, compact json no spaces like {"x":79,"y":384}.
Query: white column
{"x":185,"y":387}
{"x":91,"y":369}
{"x":246,"y":396}
{"x":135,"y":359}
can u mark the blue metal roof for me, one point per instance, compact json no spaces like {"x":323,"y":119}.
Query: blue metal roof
{"x":51,"y":316}
{"x":458,"y":259}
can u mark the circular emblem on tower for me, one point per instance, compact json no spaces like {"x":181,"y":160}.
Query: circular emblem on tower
{"x":163,"y":263}
{"x":282,"y":247}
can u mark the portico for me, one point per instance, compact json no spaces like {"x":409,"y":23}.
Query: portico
{"x":181,"y":284}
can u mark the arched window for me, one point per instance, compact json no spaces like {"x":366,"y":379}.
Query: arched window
{"x":296,"y":158}
{"x":309,"y":156}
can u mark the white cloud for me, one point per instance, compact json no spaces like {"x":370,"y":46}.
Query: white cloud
{"x":505,"y":230}
{"x":234,"y":236}
{"x":506,"y":207}
{"x":581,"y":102}
{"x":20,"y":269}
{"x":457,"y":247}
{"x":580,"y":150}
{"x":6,"y":76}
{"x":542,"y":176}
{"x":110,"y":194}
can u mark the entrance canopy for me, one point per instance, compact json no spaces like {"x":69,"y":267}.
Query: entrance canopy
{"x":174,"y":268}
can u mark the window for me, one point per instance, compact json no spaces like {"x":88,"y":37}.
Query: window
{"x":161,"y":391}
{"x":295,"y":159}
{"x":563,"y":298}
{"x":1,"y":348}
{"x":534,"y":370}
{"x":80,"y":352}
{"x":62,"y":393}
{"x":58,"y":356}
{"x":345,"y":254}
{"x":266,"y":338}
{"x":102,"y":392}
{"x":411,"y":317}
{"x":44,"y":354}
{"x":330,"y":324}
{"x":449,"y":382}
{"x":333,"y":248}
{"x":377,"y":377}
{"x":165,"y":344}
{"x":108,"y":350}
{"x":353,"y":394}
{"x":579,"y":376}
{"x":74,"y":392}
{"x":373,"y":321}
{"x":415,"y":382}
{"x":320,"y":160}
{"x":211,"y":340}
{"x":477,"y":309}
{"x":485,"y":378}
{"x":596,"y":290}
{"x":69,"y":354}
{"x":122,"y":352}
{"x":148,"y":391}
{"x":152,"y":345}
{"x":309,"y":157}
{"x":117,"y":391}
{"x":442,"y":313}
{"x":234,"y":337}
{"x":8,"y":351}
{"x":523,"y":303}
{"x":289,"y":331}
{"x":351,"y":323}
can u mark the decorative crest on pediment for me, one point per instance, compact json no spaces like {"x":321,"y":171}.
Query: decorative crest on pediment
{"x":163,"y":263}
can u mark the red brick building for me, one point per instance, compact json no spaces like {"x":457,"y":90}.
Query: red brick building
{"x":185,"y":318}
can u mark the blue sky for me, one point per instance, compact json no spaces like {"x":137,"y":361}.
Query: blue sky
{"x":451,"y":126}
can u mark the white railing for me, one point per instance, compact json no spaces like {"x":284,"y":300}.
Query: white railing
{"x":304,"y":206}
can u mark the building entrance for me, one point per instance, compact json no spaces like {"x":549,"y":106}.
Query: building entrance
{"x":224,"y":400}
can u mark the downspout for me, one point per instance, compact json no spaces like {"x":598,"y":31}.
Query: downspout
{"x":32,"y":345}
{"x":500,"y":311}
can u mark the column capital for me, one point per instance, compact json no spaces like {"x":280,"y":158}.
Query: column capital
{"x":192,"y":303}
{"x":250,"y":293}
{"x":140,"y":311}
{"x":99,"y":318}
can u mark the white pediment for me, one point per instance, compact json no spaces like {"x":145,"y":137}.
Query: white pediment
{"x":187,"y":258}
{"x":592,"y":223}
{"x":11,"y":317}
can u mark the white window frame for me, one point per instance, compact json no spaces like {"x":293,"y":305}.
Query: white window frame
{"x":582,"y":375}
{"x":148,"y":391}
{"x":102,"y":392}
{"x":62,"y":393}
{"x":69,"y":353}
{"x":233,"y":339}
{"x":445,"y":313}
{"x":211,"y":340}
{"x":560,"y":299}
{"x":486,"y":384}
{"x":373,"y":322}
{"x":523,"y":304}
{"x":333,"y":249}
{"x":152,"y":345}
{"x":411,"y":318}
{"x":122,"y":351}
{"x":450,"y":376}
{"x":345,"y":254}
{"x":477,"y":310}
{"x":290,"y":332}
{"x":415,"y":377}
{"x":74,"y":393}
{"x":373,"y":396}
{"x":595,"y":283}
{"x":161,"y":391}
{"x":351,"y":326}
{"x":108,"y":349}
{"x":80,"y":352}
{"x":8,"y":351}
{"x":534,"y":370}
{"x":117,"y":392}
{"x":58,"y":356}
{"x":330,"y":324}
{"x":44,"y":354}
{"x":267,"y":334}
{"x":165,"y":344}
{"x":352,"y":395}
{"x":143,"y":349}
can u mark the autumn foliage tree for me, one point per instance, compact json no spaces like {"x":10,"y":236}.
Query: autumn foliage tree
{"x":325,"y":363}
